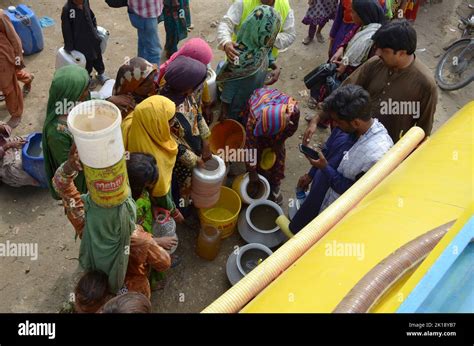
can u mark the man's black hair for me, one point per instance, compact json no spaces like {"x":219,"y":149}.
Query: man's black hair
{"x":349,"y":102}
{"x":397,"y":35}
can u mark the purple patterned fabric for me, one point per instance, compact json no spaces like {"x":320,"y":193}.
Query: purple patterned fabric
{"x":339,"y":29}
{"x":320,"y":12}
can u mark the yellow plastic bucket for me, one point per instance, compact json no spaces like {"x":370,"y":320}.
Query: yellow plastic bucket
{"x":268,"y":159}
{"x":224,"y":214}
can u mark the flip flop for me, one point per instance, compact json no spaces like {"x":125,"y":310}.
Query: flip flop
{"x":307,"y":40}
{"x":277,"y":198}
{"x":175,"y":260}
{"x":312,"y":103}
{"x":26,"y":90}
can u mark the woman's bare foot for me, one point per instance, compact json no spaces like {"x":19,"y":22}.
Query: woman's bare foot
{"x":307,"y":40}
{"x":320,"y":37}
{"x":14,"y":122}
{"x":27,"y":87}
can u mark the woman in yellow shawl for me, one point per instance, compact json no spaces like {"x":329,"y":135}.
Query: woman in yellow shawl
{"x":147,"y":130}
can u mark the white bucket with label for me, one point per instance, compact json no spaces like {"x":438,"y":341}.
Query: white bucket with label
{"x":95,"y":126}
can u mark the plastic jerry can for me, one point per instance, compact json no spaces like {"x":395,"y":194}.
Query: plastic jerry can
{"x":64,"y":59}
{"x":27,"y":26}
{"x":33,"y":159}
{"x":208,"y":243}
{"x":165,"y":226}
{"x":211,"y":83}
{"x":104,"y":38}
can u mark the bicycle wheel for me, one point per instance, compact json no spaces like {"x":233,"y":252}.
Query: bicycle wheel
{"x":456,"y":67}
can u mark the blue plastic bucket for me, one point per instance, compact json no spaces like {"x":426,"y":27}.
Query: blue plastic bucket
{"x":33,"y":159}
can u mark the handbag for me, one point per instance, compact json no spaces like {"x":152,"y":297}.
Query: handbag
{"x":117,"y":3}
{"x":319,"y":74}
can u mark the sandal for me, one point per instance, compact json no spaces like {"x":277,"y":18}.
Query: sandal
{"x":308,"y":117}
{"x":175,"y":260}
{"x":277,"y":197}
{"x":307,"y":40}
{"x":102,"y":78}
{"x":312,"y":103}
{"x":26,"y":90}
{"x":93,"y":84}
{"x":320,"y":38}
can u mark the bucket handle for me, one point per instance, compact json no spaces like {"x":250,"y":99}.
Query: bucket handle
{"x":24,"y":19}
{"x":161,"y":215}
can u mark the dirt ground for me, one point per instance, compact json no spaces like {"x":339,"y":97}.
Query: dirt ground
{"x":30,"y":215}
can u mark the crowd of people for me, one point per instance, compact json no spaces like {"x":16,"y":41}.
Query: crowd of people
{"x":166,"y":113}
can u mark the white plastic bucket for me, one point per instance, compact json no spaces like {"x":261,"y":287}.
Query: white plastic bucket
{"x":206,"y":183}
{"x":213,"y":171}
{"x":95,"y":126}
{"x":64,"y":59}
{"x":102,"y":148}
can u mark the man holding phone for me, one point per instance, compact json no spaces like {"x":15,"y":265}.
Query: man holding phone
{"x":349,"y":108}
{"x":402,"y":89}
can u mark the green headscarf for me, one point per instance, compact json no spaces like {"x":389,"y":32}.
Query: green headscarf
{"x":255,"y":41}
{"x":105,"y":243}
{"x":68,"y":85}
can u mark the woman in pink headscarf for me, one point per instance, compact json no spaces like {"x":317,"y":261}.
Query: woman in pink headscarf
{"x":195,"y":48}
{"x":199,"y":50}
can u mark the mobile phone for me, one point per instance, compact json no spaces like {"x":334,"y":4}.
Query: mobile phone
{"x":313,"y":154}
